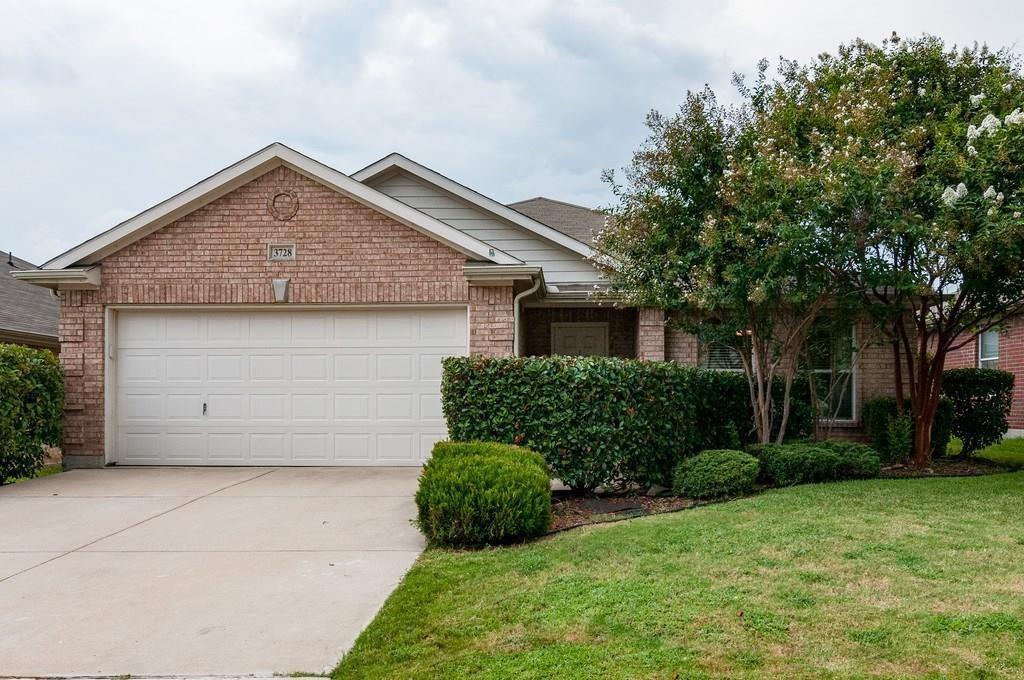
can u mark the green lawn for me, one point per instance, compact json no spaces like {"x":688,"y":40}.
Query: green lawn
{"x":1009,"y":452}
{"x":44,"y":471}
{"x":895,"y":578}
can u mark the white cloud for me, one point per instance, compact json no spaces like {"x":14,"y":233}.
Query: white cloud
{"x":108,"y":107}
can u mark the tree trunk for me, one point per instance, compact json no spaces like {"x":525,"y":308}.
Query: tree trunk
{"x":928,"y":391}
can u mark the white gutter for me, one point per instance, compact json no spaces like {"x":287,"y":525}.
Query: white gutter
{"x":516,"y":314}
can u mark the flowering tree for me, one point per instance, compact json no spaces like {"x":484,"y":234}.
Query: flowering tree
{"x":889,"y":174}
{"x":939,"y":239}
{"x":706,"y":228}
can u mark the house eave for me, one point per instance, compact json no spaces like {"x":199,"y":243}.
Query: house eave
{"x":76,"y":278}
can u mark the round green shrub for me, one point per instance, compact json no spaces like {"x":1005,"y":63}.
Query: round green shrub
{"x":789,"y":464}
{"x":31,"y":408}
{"x":475,"y":500}
{"x":981,"y":404}
{"x":856,"y":461}
{"x":447,"y":449}
{"x":718,"y":473}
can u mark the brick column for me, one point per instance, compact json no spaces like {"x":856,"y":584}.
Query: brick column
{"x":650,"y":334}
{"x":81,"y":355}
{"x":681,"y":347}
{"x":491,"y":323}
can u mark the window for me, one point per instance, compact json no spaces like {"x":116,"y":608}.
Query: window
{"x":831,"y":354}
{"x":988,"y":349}
{"x":719,"y":357}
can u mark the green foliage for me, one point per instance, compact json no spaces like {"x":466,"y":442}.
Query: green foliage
{"x":877,"y":414}
{"x":450,"y":449}
{"x":809,"y":462}
{"x":31,"y":408}
{"x":856,"y":461}
{"x":717,"y":473}
{"x":981,"y":399}
{"x":598,"y":421}
{"x":899,"y":436}
{"x":474,"y":500}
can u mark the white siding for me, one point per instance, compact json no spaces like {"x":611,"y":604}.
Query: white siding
{"x":560,"y":265}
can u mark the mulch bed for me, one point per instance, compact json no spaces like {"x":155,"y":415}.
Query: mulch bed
{"x":946,"y":467}
{"x":568,"y":510}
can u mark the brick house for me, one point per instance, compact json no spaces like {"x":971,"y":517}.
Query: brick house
{"x":1001,"y":348}
{"x":281,"y":312}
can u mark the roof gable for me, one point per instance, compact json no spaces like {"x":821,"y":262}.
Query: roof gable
{"x":396,"y":161}
{"x":26,"y":308}
{"x":250,"y":168}
{"x":578,"y":221}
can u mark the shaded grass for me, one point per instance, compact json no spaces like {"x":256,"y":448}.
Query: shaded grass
{"x":44,"y":471}
{"x":881,"y":578}
{"x":1008,"y":452}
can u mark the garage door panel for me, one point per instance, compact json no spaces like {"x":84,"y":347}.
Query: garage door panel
{"x":283,"y":387}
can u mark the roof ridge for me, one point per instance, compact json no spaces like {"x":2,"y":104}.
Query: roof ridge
{"x":555,"y":200}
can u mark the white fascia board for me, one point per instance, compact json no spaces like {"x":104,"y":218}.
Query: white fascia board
{"x":245,"y":171}
{"x":396,"y":160}
{"x":79,"y":278}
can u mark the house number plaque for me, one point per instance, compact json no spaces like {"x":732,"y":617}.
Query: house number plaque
{"x":281,"y":251}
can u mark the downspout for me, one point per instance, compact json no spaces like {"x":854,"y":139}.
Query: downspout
{"x":516,"y":314}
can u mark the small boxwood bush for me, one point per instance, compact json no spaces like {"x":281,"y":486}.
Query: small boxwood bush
{"x":718,"y":473}
{"x":981,"y":399}
{"x":856,"y":461}
{"x":880,"y":416}
{"x":808,"y":462}
{"x":598,"y":421}
{"x":474,"y":500}
{"x":31,"y":409}
{"x":446,"y":449}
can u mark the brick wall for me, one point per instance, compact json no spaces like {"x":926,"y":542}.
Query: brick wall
{"x":1011,"y":358}
{"x":681,"y":347}
{"x":650,"y":334}
{"x":491,"y":323}
{"x":537,"y":322}
{"x":346,"y":253}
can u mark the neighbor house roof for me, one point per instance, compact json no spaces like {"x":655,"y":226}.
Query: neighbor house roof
{"x":27,"y":313}
{"x":577,"y":221}
{"x":250,"y":168}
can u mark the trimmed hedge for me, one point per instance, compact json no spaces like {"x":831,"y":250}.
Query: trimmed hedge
{"x":449,"y":449}
{"x":718,"y":473}
{"x":981,"y":399}
{"x":473,"y":500}
{"x":598,"y":421}
{"x":31,"y":408}
{"x":878,"y":415}
{"x":810,"y":462}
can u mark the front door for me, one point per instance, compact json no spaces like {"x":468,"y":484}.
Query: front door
{"x":580,"y":339}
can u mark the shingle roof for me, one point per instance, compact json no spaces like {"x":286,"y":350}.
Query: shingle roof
{"x":574,"y":220}
{"x":25,"y":308}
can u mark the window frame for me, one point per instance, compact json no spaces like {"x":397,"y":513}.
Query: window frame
{"x":982,"y":359}
{"x":853,"y":384}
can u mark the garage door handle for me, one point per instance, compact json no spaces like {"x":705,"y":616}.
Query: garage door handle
{"x":204,"y":408}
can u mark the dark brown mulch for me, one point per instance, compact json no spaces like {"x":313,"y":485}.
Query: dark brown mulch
{"x":568,"y":511}
{"x":946,"y":467}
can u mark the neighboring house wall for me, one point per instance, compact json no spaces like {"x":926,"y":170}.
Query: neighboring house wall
{"x":621,"y":327}
{"x":560,"y":264}
{"x":346,"y":253}
{"x":1011,"y":358}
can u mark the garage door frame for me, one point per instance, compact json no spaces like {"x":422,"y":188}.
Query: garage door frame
{"x":110,"y":320}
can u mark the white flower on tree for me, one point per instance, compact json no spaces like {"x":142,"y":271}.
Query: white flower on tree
{"x":1016,"y":117}
{"x":950,"y":196}
{"x":976,"y":100}
{"x":990,"y":193}
{"x":973,"y":132}
{"x":990,"y":124}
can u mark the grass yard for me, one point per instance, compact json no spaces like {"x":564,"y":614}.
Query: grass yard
{"x":1009,"y":452}
{"x":44,"y":471}
{"x":882,"y":578}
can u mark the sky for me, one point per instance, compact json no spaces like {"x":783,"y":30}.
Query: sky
{"x":108,"y":107}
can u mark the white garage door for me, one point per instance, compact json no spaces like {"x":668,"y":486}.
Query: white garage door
{"x":358,"y":387}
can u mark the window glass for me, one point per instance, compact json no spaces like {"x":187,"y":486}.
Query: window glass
{"x":720,"y":357}
{"x":988,"y":349}
{"x":831,"y":357}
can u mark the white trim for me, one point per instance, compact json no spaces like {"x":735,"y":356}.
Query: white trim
{"x":396,"y":160}
{"x":79,"y":278}
{"x":981,"y":344}
{"x":109,"y":386}
{"x":560,"y":325}
{"x":245,"y":171}
{"x":278,"y":307}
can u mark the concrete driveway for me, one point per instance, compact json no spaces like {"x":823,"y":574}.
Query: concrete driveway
{"x":194,"y":571}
